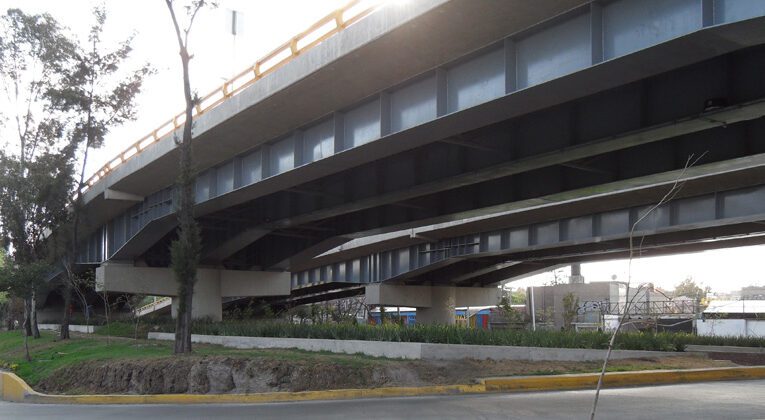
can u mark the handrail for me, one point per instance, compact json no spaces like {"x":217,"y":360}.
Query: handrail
{"x":322,"y":29}
{"x":153,"y":306}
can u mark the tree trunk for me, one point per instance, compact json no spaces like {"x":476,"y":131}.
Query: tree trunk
{"x":72,"y":256}
{"x":27,"y":317}
{"x":186,"y":249}
{"x":33,"y":309}
{"x":183,"y":326}
{"x":27,"y":327}
{"x":64,"y":334}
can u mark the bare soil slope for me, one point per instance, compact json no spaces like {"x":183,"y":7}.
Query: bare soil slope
{"x":239,"y":374}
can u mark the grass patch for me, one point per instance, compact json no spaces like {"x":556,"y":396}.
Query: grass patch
{"x":124,"y":329}
{"x":49,"y":353}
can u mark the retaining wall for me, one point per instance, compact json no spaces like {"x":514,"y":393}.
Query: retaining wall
{"x":88,"y":329}
{"x":724,"y":349}
{"x":416,"y":351}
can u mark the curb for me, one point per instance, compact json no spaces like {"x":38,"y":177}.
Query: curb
{"x":695,"y":348}
{"x":621,"y":379}
{"x":14,"y":389}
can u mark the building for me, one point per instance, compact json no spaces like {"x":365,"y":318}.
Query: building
{"x":739,"y":318}
{"x":753,"y":293}
{"x":549,"y":308}
{"x":602,"y":305}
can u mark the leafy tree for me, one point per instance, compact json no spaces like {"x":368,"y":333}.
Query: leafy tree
{"x":185,"y":250}
{"x":511,"y":315}
{"x":518,"y":296}
{"x":35,"y":158}
{"x":23,"y":280}
{"x":98,"y":94}
{"x":570,"y":306}
{"x":691,"y":289}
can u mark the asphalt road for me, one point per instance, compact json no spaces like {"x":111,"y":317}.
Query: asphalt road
{"x":711,"y":400}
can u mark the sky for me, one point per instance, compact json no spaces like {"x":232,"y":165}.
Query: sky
{"x":724,"y":270}
{"x":267,"y":24}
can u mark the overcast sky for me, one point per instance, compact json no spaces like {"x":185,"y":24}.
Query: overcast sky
{"x":268,"y":23}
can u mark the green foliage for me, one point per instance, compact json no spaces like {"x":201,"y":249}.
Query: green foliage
{"x":511,"y":315}
{"x":570,"y":306}
{"x":21,"y":280}
{"x":37,"y":164}
{"x":124,"y":329}
{"x":460,"y":335}
{"x":53,"y":354}
{"x":185,"y":253}
{"x":518,"y":296}
{"x":689,"y":288}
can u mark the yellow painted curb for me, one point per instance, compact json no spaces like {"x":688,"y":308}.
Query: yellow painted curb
{"x":15,"y":389}
{"x":620,"y":379}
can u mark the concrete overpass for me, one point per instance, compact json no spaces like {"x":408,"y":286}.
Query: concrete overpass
{"x":455,"y":144}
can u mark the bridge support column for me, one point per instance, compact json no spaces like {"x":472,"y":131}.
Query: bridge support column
{"x":212,"y":285}
{"x":202,"y":306}
{"x":443,"y":303}
{"x":435,"y":304}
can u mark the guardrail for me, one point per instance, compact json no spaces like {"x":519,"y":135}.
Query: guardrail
{"x":654,"y":307}
{"x":325,"y":27}
{"x":151,"y":307}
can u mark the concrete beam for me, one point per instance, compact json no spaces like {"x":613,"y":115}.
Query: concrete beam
{"x":235,"y":244}
{"x":125,"y":278}
{"x":235,"y":283}
{"x":429,"y":296}
{"x":310,"y":252}
{"x":110,"y":194}
{"x":212,"y":285}
{"x":159,"y":281}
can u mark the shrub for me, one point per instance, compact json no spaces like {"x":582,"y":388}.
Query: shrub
{"x":459,"y":335}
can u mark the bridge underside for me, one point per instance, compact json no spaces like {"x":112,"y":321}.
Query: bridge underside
{"x":542,"y":173}
{"x":648,"y":127}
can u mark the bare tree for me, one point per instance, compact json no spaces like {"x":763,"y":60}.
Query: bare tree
{"x":133,"y":303}
{"x":673,"y":191}
{"x":105,"y":297}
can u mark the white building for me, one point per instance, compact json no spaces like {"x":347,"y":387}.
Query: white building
{"x":744,"y":318}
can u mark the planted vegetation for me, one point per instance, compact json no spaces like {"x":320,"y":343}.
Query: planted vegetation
{"x":461,"y":335}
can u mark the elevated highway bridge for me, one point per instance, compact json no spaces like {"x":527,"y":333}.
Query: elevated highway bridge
{"x":434,"y":148}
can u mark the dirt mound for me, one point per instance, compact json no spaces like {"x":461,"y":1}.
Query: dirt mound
{"x":217,"y":374}
{"x":235,"y":374}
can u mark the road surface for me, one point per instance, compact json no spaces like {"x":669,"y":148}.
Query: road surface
{"x":710,"y":400}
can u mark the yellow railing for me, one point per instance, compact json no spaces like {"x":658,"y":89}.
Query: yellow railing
{"x":316,"y":33}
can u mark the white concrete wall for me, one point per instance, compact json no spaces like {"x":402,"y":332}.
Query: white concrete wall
{"x":755,"y":328}
{"x":731,"y":327}
{"x":88,"y":329}
{"x":414,"y":351}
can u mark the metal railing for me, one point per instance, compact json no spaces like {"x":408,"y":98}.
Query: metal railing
{"x":151,"y":307}
{"x":325,"y":27}
{"x":654,"y":307}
